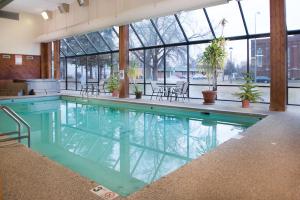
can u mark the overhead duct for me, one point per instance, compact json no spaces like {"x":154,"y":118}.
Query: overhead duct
{"x":64,"y":8}
{"x":4,"y":3}
{"x":9,"y":15}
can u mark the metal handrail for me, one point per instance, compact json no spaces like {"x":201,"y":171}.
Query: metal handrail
{"x":19,"y":120}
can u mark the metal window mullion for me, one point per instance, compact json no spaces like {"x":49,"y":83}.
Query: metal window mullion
{"x":78,"y":43}
{"x":156,"y":30}
{"x":69,"y":47}
{"x":188,"y":69}
{"x":90,"y":42}
{"x":66,"y":73}
{"x":89,"y":39}
{"x":104,"y":41}
{"x":113,"y":28}
{"x":144,"y":52}
{"x":137,"y":35}
{"x":243,"y":17}
{"x":165,"y":67}
{"x":62,"y":52}
{"x":181,"y":28}
{"x":209,"y":23}
{"x":248,"y":56}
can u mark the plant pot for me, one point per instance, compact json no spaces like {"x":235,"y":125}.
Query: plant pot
{"x":115,"y":93}
{"x":245,"y":103}
{"x":209,"y":96}
{"x":138,"y":95}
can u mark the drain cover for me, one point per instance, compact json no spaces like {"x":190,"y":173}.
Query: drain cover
{"x":104,"y":193}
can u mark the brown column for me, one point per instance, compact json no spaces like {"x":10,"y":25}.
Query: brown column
{"x":46,"y":60}
{"x":124,"y":59}
{"x":278,"y":56}
{"x":56,"y":57}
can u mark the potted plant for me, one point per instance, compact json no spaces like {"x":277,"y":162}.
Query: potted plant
{"x":211,"y":63}
{"x":133,"y":73}
{"x":113,"y":85}
{"x":248,"y":93}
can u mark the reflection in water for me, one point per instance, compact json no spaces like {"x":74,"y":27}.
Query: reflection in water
{"x":122,"y":149}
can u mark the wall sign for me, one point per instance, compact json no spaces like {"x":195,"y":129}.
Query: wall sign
{"x":18,"y":60}
{"x":121,"y":74}
{"x":6,"y":56}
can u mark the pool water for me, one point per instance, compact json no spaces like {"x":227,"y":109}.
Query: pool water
{"x":121,"y":146}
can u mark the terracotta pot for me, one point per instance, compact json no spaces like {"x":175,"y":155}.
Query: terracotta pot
{"x":115,"y":93}
{"x":138,"y":95}
{"x":245,"y":103}
{"x":209,"y":96}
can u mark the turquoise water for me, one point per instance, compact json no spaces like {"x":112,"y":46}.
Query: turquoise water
{"x":121,"y":146}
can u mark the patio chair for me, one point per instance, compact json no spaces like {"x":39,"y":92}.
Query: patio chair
{"x":155,"y":89}
{"x":180,"y":91}
{"x":101,"y":87}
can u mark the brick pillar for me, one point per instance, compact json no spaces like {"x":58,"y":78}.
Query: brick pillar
{"x":46,"y":60}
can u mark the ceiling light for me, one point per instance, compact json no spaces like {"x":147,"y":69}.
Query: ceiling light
{"x":83,"y":2}
{"x":46,"y":15}
{"x":63,"y":8}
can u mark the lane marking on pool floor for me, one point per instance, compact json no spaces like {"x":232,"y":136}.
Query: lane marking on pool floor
{"x":104,"y":193}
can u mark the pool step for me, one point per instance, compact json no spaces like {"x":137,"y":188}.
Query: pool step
{"x":9,"y":133}
{"x":12,"y":138}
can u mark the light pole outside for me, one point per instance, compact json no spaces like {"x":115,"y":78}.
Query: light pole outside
{"x":255,"y":54}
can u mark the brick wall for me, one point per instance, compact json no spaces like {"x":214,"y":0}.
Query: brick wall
{"x":30,"y":68}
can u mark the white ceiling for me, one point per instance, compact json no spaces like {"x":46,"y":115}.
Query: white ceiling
{"x":34,"y":6}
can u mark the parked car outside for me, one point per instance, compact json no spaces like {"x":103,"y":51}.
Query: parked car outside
{"x":262,"y":79}
{"x":199,"y":77}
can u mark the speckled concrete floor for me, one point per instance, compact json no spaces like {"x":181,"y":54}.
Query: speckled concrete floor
{"x":264,"y":164}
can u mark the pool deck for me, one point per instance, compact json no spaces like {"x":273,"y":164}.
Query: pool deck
{"x":264,"y":164}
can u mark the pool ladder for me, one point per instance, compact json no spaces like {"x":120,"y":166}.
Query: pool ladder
{"x":16,"y":135}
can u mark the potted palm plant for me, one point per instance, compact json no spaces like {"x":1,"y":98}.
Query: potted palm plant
{"x":248,"y":93}
{"x":133,"y":73}
{"x":211,"y":63}
{"x":113,"y":85}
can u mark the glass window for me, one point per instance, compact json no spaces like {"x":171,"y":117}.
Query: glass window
{"x":137,"y":58}
{"x":133,"y":39}
{"x":147,"y":33}
{"x":92,"y":69}
{"x":115,"y":62}
{"x":154,"y":66}
{"x":260,"y":51}
{"x":98,"y":42}
{"x":231,"y":13}
{"x":257,"y":15}
{"x":104,"y":66}
{"x":292,"y":14}
{"x":169,"y":29}
{"x":294,"y":69}
{"x":81,"y":72}
{"x":195,"y":25}
{"x":63,"y":71}
{"x":71,"y":74}
{"x":236,"y":64}
{"x":74,"y":45}
{"x":85,"y":44}
{"x":195,"y":53}
{"x":176,"y":64}
{"x":111,"y":38}
{"x":65,"y":49}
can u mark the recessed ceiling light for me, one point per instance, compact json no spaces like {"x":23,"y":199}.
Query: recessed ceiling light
{"x":46,"y":15}
{"x":83,"y":2}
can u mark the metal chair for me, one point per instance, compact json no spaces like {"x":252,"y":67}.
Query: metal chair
{"x":155,"y":89}
{"x":181,"y":91}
